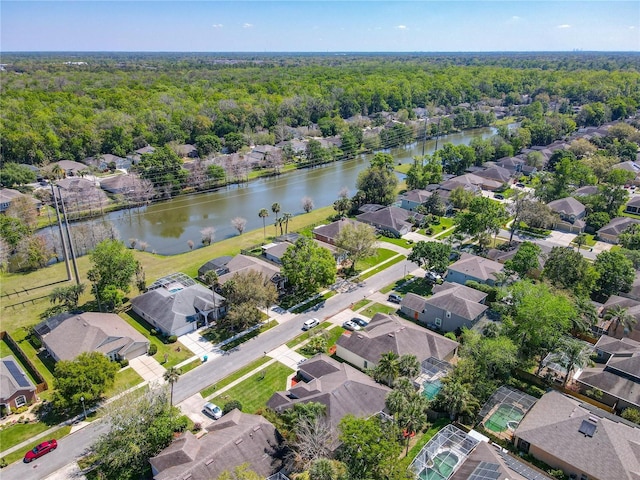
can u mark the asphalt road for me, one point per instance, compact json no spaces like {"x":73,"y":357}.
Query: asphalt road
{"x":73,"y":446}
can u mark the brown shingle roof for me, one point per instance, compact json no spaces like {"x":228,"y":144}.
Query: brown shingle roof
{"x":477,"y":267}
{"x":567,"y":206}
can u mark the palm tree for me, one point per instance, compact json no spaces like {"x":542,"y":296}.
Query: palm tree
{"x":211,"y":279}
{"x":387,"y":369}
{"x":58,"y":172}
{"x":286,"y":216}
{"x":575,"y":355}
{"x":622,"y":318}
{"x":395,"y":402}
{"x":458,"y":399}
{"x":580,"y":240}
{"x":275,"y":208}
{"x":408,"y":366}
{"x":413,"y":417}
{"x":263,"y":214}
{"x":171,"y":376}
{"x":586,"y":317}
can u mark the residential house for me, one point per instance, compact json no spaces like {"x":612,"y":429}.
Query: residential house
{"x":329,"y":233}
{"x":186,"y":151}
{"x":103,"y":161}
{"x":610,"y":232}
{"x":16,"y":389}
{"x":619,"y":378}
{"x":633,"y":205}
{"x":451,"y":307}
{"x":580,"y":439}
{"x":275,"y":250}
{"x":8,"y":195}
{"x":471,"y":182}
{"x":244,"y":263}
{"x":120,"y":184}
{"x":70,"y":167}
{"x":414,"y":198}
{"x":586,"y":190}
{"x":234,"y":440}
{"x":394,"y":220}
{"x":472,"y":267}
{"x":497,"y":174}
{"x":513,"y":164}
{"x":218,"y":265}
{"x":611,"y":326}
{"x":175,"y":309}
{"x":81,"y":194}
{"x":136,"y":156}
{"x":67,"y":335}
{"x":389,"y":333}
{"x":571,"y":213}
{"x":338,"y":386}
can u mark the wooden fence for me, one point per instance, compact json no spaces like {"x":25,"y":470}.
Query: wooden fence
{"x":42,"y":385}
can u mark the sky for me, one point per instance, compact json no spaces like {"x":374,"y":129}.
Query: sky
{"x":319,"y":26}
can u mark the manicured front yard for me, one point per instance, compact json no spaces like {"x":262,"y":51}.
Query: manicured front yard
{"x":377,"y":308}
{"x":254,"y":392}
{"x":234,"y":376}
{"x":359,"y":304}
{"x":125,"y":379}
{"x":11,"y":435}
{"x":176,"y":352}
{"x":381,"y":255}
{"x":418,"y":286}
{"x":19,"y":454}
{"x":303,"y":336}
{"x":401,"y":242}
{"x":385,"y":265}
{"x":396,"y":285}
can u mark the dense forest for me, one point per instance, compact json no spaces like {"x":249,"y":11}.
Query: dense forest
{"x":71,"y":106}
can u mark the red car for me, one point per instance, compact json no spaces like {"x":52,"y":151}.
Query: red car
{"x":39,"y":450}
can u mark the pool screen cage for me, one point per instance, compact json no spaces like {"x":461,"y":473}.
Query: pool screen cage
{"x":177,"y":280}
{"x":432,"y":369}
{"x":443,"y":454}
{"x":508,"y":397}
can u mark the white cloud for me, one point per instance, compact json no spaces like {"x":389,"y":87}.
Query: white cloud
{"x":401,"y":27}
{"x":564,"y":25}
{"x":632,"y":27}
{"x":247,"y":25}
{"x":217,"y":25}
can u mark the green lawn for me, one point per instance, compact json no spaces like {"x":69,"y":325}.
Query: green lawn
{"x":19,"y":455}
{"x":125,"y":379}
{"x":379,"y":268}
{"x":395,"y":285}
{"x":254,"y":392}
{"x":418,"y":286}
{"x":377,"y":308}
{"x":359,"y":304}
{"x":381,"y":255}
{"x":234,"y":376}
{"x":445,"y":234}
{"x":334,"y":334}
{"x":176,"y":352}
{"x":13,"y":434}
{"x":303,"y":336}
{"x":590,"y":240}
{"x":401,"y":242}
{"x":190,"y":366}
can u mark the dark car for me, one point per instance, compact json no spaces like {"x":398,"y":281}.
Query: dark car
{"x":360,"y":321}
{"x":39,"y":450}
{"x":394,"y":298}
{"x":498,"y":196}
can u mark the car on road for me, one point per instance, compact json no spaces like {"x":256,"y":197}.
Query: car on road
{"x":360,"y":321}
{"x":212,"y":410}
{"x":39,"y":450}
{"x":394,"y":298}
{"x":309,"y":324}
{"x":350,"y":325}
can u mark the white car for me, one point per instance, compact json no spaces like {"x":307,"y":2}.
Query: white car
{"x":351,"y":325}
{"x":212,"y":410}
{"x":309,"y":324}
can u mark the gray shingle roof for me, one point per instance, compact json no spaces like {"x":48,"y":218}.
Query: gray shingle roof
{"x":241,"y":263}
{"x":477,"y":267}
{"x":417,"y":196}
{"x":617,"y":226}
{"x":567,"y":206}
{"x":586,"y":190}
{"x":499,"y":174}
{"x":615,"y":346}
{"x":458,"y":299}
{"x":12,"y":380}
{"x":69,"y":335}
{"x":552,"y":425}
{"x":343,"y":390}
{"x":332,"y":230}
{"x":387,"y":333}
{"x":393,"y":218}
{"x":611,"y":383}
{"x":237,"y":438}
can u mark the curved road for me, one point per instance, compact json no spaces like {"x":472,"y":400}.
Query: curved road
{"x":215,"y":369}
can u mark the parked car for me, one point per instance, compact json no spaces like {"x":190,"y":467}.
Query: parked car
{"x":360,"y":321}
{"x":394,"y":298}
{"x":520,"y":185}
{"x":212,"y":410}
{"x":309,"y":324}
{"x":39,"y":450}
{"x":350,"y":325}
{"x":498,"y":196}
{"x":433,"y":277}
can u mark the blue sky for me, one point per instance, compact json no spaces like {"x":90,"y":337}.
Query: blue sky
{"x":319,"y":26}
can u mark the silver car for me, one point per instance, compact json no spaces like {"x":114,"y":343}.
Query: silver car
{"x":212,"y":410}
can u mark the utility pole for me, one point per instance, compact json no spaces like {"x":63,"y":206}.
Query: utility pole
{"x":437,"y":135}
{"x":65,"y":253}
{"x":424,"y":138}
{"x":66,"y":223}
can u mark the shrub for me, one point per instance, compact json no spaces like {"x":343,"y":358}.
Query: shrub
{"x":196,"y":427}
{"x":153,"y":349}
{"x":451,"y":336}
{"x":123,"y":362}
{"x":35,"y":341}
{"x":154,"y":332}
{"x":172,"y":339}
{"x":231,"y":405}
{"x":631,"y":414}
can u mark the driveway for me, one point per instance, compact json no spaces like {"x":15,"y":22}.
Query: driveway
{"x":148,"y":368}
{"x":192,"y":408}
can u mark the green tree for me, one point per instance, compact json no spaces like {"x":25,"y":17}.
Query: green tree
{"x":575,"y":355}
{"x":113,"y":265}
{"x":13,"y":231}
{"x":622,"y":318}
{"x":408,"y":366}
{"x":484,"y":218}
{"x":631,"y":414}
{"x":163,"y":168}
{"x":241,"y":472}
{"x":234,"y":142}
{"x":171,"y":376}
{"x":377,"y":184}
{"x":12,"y":174}
{"x":525,"y":260}
{"x":431,"y":255}
{"x":326,"y":469}
{"x":358,"y":240}
{"x":369,"y":449}
{"x":566,"y":268}
{"x":246,"y":293}
{"x":207,"y":144}
{"x":143,"y":423}
{"x":275,"y":208}
{"x":387,"y":369}
{"x":308,"y":266}
{"x":460,"y":198}
{"x":456,"y":398}
{"x":630,"y":238}
{"x":67,"y":297}
{"x":616,"y":274}
{"x":88,"y":376}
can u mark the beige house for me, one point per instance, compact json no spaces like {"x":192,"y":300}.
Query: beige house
{"x":610,"y":232}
